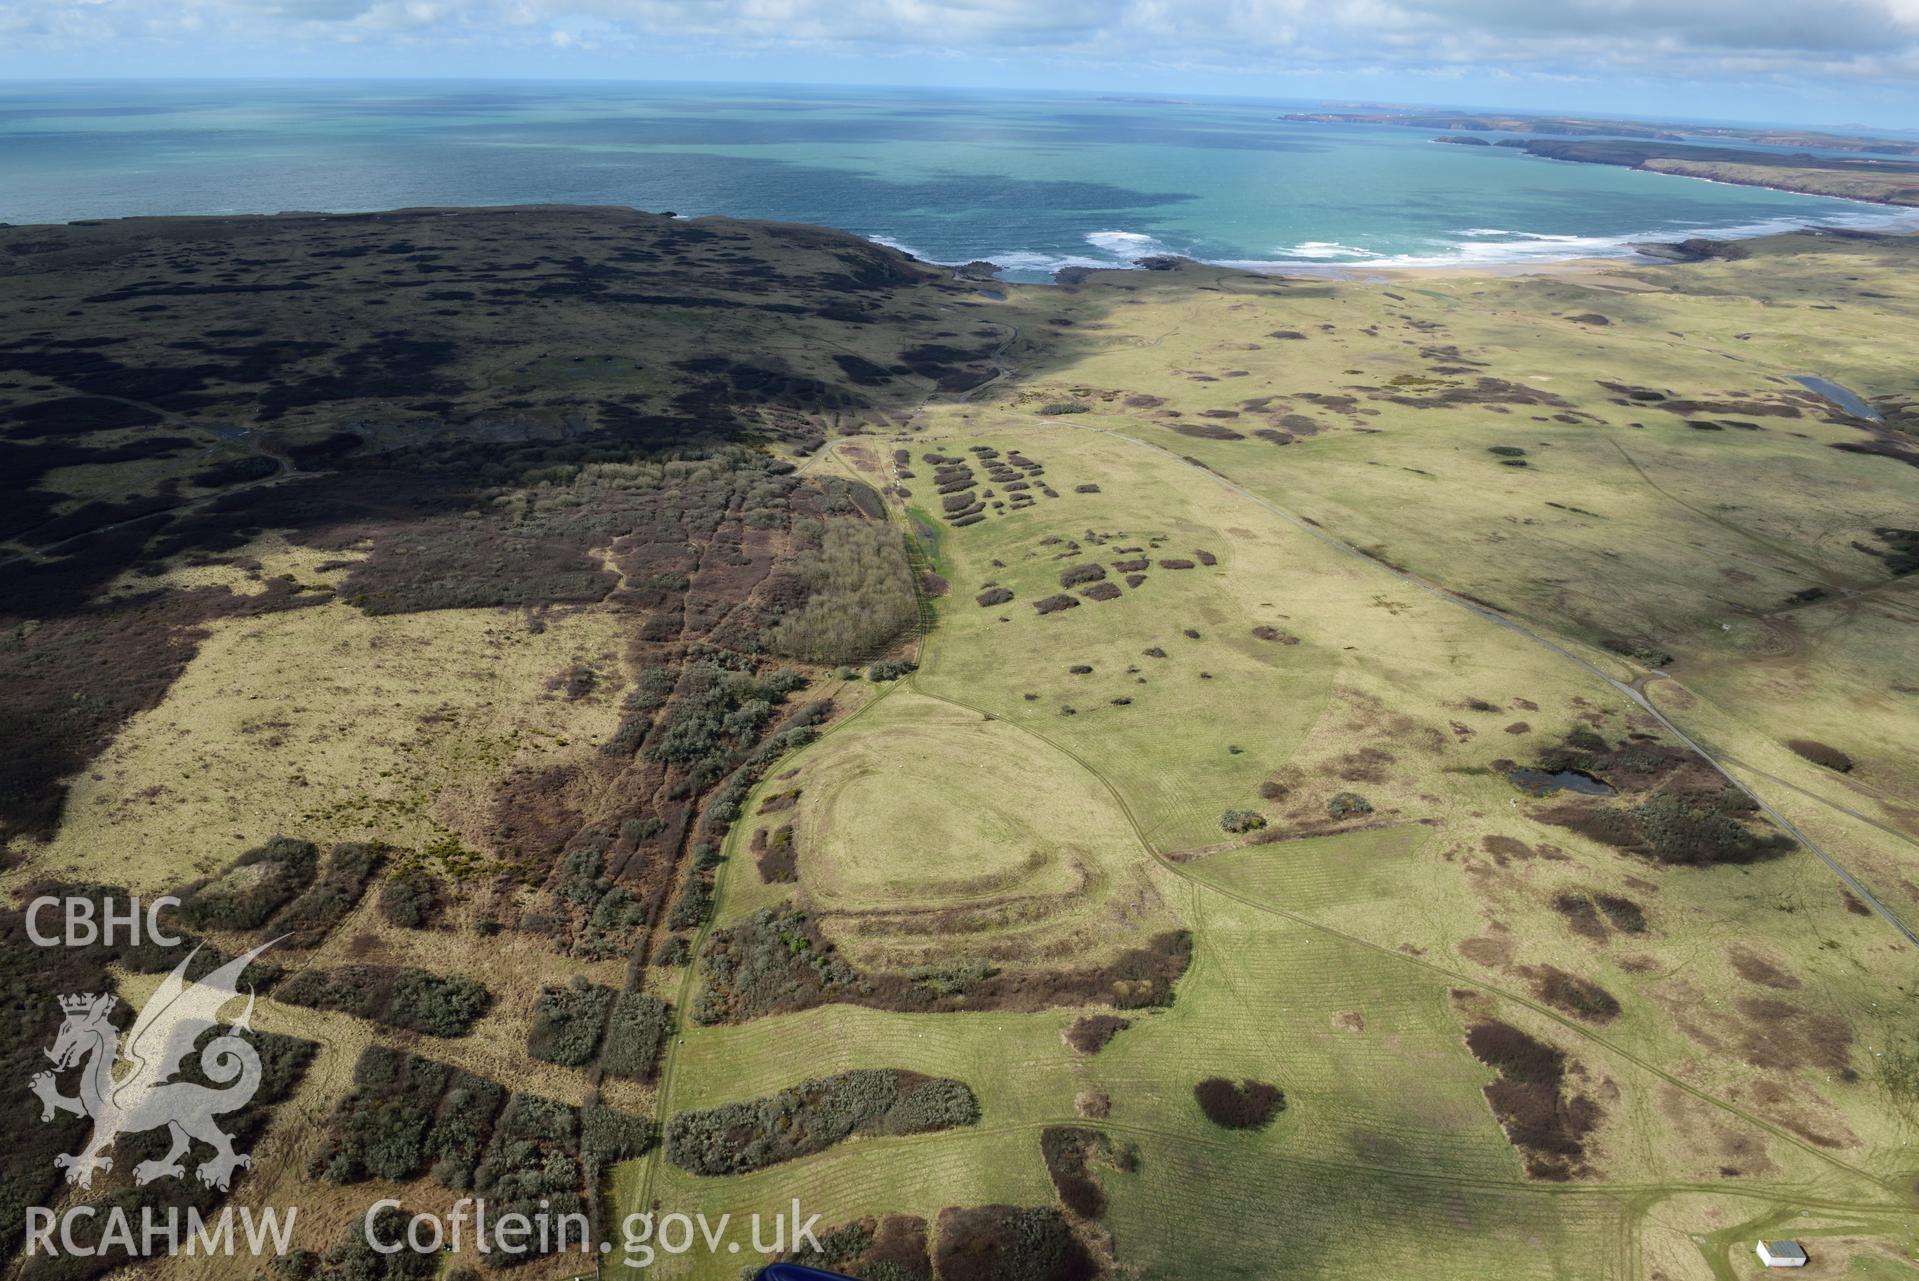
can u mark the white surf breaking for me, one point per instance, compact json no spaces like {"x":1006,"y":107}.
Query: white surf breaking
{"x":1487,"y":247}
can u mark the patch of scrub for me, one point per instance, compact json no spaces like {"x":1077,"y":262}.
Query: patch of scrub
{"x":1544,"y":782}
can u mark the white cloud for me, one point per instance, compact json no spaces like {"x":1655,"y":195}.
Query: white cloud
{"x":1745,"y":39}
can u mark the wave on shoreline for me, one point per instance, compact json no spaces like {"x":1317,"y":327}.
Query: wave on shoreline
{"x":1491,"y":248}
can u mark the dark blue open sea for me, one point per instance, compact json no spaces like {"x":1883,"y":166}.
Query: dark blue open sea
{"x":1033,"y":182}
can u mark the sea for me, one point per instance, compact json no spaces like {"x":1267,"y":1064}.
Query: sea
{"x":1032,"y":182}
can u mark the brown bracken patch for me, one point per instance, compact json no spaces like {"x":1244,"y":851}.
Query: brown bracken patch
{"x":1754,"y":968}
{"x":1069,"y":1152}
{"x":1090,"y":1032}
{"x":1581,"y":916}
{"x":1246,"y":1105}
{"x":997,"y":1242}
{"x":1547,"y":1126}
{"x":776,"y":855}
{"x":1781,"y":1035}
{"x":1821,"y":754}
{"x":1572,"y":994}
{"x":780,"y":801}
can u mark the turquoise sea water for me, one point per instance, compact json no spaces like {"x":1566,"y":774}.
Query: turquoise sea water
{"x":1033,"y":182}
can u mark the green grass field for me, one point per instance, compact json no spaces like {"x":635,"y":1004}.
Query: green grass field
{"x":1343,"y":959}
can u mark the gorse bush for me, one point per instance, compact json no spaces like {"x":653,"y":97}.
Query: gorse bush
{"x":694,"y":906}
{"x":532,"y":1164}
{"x":1009,"y":1243}
{"x":567,"y":1022}
{"x":1069,"y":1151}
{"x":434,"y":1004}
{"x":837,"y":1249}
{"x":861,"y":595}
{"x":717,"y":718}
{"x":403,"y":997}
{"x":378,"y":1131}
{"x":1624,"y":914}
{"x":1078,"y":574}
{"x":1241,"y":821}
{"x":1681,"y":830}
{"x":306,"y":921}
{"x":649,"y":693}
{"x":1822,"y":754}
{"x":607,"y":1137}
{"x":1089,"y":1033}
{"x":954,"y":976}
{"x":408,"y":1116}
{"x":461,"y":1127}
{"x":411,"y":898}
{"x":1348,"y":805}
{"x":738,"y":1137}
{"x":634,"y":1035}
{"x":776,"y":855}
{"x":355,"y":1259}
{"x":249,"y":892}
{"x":760,"y":966}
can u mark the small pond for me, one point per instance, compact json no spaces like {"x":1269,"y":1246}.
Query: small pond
{"x":1851,"y":402}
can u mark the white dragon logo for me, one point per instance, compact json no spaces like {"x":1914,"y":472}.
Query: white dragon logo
{"x":143,"y":1097}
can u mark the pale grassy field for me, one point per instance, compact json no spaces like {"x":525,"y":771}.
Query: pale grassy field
{"x":277,"y":558}
{"x":329,"y":725}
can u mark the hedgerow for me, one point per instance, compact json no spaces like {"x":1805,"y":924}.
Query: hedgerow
{"x":405,"y":997}
{"x":738,"y":1137}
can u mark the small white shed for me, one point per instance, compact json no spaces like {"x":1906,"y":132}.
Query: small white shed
{"x":1782,"y":1254}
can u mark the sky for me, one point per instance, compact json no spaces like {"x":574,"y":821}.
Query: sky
{"x":1828,"y":62}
